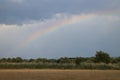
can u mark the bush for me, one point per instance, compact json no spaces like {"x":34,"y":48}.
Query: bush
{"x":102,"y":57}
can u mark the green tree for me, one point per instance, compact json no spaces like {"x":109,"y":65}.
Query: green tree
{"x":102,"y":57}
{"x":3,"y":60}
{"x":78,"y":60}
{"x":19,"y":59}
{"x":115,"y":60}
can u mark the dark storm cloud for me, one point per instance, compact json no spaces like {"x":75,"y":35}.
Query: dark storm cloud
{"x":20,"y":11}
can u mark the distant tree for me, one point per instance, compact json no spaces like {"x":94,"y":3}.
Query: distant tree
{"x":78,"y":60}
{"x":102,"y":57}
{"x":19,"y":59}
{"x":115,"y":60}
{"x":9,"y":59}
{"x":118,"y":59}
{"x":89,"y":60}
{"x":3,"y":60}
{"x":13,"y":59}
{"x":31,"y":60}
{"x":52,"y":61}
{"x":63,"y":60}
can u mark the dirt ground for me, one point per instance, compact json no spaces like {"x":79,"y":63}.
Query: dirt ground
{"x":47,"y":74}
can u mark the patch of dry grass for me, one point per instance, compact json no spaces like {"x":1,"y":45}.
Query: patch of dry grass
{"x":47,"y":74}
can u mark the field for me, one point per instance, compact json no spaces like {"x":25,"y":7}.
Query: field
{"x":47,"y":74}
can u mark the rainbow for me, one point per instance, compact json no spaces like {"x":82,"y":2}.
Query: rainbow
{"x":51,"y":28}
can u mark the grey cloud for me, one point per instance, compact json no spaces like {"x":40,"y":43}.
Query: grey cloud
{"x":100,"y":32}
{"x":14,"y":13}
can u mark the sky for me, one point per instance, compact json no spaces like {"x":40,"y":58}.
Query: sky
{"x":59,"y":28}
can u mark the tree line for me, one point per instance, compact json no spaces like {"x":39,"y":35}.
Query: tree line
{"x":100,"y":57}
{"x":101,"y":60}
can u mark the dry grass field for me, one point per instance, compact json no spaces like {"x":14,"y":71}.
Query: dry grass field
{"x":26,"y":74}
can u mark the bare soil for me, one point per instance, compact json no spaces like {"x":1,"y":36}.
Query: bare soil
{"x":48,"y":74}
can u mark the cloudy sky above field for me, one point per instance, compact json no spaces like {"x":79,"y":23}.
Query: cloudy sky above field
{"x":58,"y":28}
